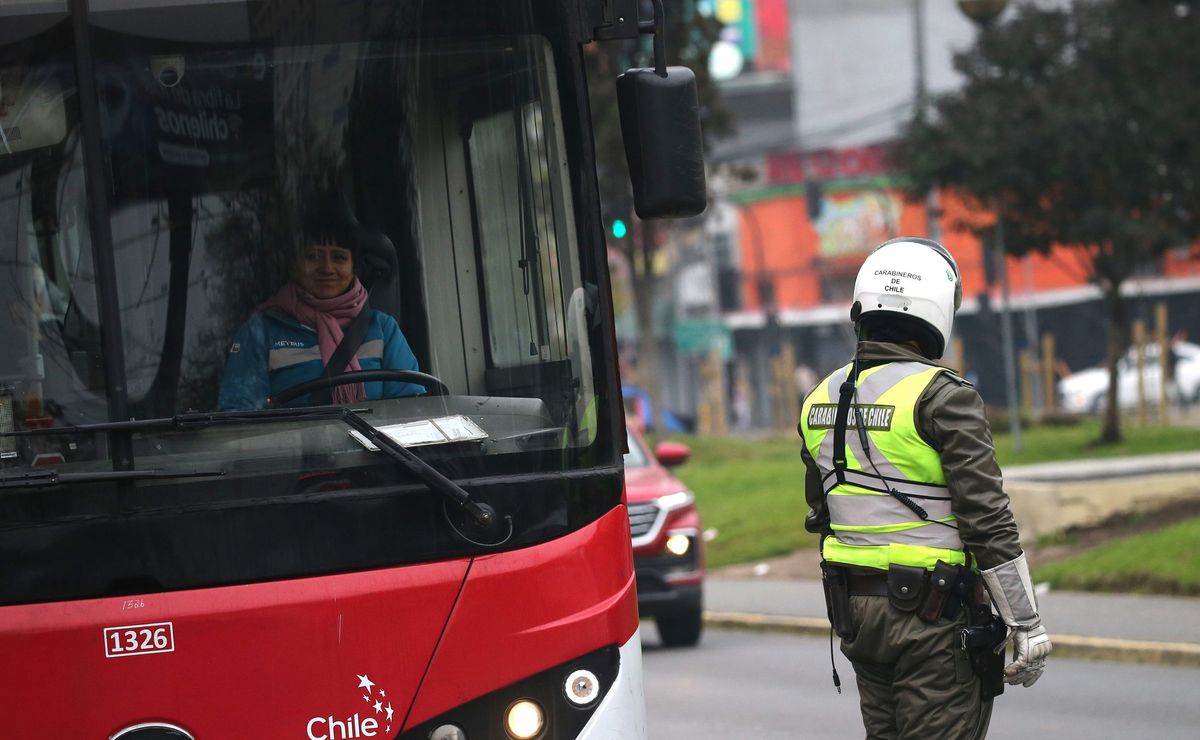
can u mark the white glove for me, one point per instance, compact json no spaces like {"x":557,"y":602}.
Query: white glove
{"x":1011,"y":589}
{"x":1030,"y":648}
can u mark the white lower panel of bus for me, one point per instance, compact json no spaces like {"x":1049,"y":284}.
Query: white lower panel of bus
{"x":622,"y":714}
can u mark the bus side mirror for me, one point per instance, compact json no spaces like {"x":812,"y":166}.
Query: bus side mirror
{"x":660,"y":123}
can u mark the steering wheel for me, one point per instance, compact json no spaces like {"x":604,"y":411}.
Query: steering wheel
{"x":431,"y":384}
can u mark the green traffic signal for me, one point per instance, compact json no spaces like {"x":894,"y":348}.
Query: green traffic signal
{"x":619,"y":229}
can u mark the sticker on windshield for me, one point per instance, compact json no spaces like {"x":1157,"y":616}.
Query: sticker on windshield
{"x":139,"y":639}
{"x":428,"y":432}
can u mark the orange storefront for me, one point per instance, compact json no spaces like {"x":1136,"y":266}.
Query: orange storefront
{"x":811,"y":264}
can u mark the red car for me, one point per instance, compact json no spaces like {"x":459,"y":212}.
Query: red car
{"x":668,"y":553}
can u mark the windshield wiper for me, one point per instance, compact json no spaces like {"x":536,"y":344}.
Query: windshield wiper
{"x":50,"y":477}
{"x":191,"y":420}
{"x":482,"y":513}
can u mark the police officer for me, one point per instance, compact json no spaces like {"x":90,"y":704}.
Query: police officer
{"x":903,"y":483}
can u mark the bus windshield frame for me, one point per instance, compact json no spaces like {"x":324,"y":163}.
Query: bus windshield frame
{"x":171,"y":162}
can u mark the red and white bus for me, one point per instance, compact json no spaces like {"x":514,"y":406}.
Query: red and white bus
{"x":445,"y":566}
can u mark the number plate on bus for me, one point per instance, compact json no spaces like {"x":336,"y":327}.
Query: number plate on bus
{"x":139,"y":639}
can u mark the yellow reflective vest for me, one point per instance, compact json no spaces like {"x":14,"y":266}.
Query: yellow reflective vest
{"x":871,"y":527}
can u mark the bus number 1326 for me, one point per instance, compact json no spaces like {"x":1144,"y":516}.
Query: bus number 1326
{"x":138,"y":639}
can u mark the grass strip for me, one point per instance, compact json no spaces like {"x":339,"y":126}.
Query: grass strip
{"x":752,"y":490}
{"x":1166,"y":561}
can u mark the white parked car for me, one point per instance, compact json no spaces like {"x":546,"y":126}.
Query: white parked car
{"x":1086,"y":390}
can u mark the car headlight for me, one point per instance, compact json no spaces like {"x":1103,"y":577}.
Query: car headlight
{"x":679,"y":544}
{"x":676,"y":500}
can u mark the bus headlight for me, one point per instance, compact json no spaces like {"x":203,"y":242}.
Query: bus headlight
{"x":448,"y":732}
{"x":679,"y":544}
{"x":524,"y":720}
{"x":582,"y":687}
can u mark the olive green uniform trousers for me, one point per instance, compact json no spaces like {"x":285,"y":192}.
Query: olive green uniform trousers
{"x":914,"y":680}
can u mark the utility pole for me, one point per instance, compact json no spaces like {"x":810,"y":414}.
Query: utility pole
{"x":1006,"y":335}
{"x":983,"y":13}
{"x":920,"y":98}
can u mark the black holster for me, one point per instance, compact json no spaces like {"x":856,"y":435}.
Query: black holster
{"x":983,"y":641}
{"x":837,"y":599}
{"x":944,"y":594}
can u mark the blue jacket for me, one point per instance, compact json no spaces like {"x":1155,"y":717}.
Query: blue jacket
{"x":273,"y":351}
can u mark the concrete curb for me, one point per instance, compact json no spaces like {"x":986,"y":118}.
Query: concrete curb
{"x":1183,"y":654}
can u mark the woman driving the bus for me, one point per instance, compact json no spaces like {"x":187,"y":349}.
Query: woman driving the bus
{"x":291,"y":338}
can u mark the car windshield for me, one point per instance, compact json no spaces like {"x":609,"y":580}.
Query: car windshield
{"x":636,"y":457}
{"x":260,"y":162}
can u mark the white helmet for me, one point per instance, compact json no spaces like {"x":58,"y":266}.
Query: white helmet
{"x":914,"y":280}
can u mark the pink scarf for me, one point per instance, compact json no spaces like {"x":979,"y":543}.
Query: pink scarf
{"x":329,"y":316}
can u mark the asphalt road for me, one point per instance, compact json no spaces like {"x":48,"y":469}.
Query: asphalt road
{"x":763,"y":686}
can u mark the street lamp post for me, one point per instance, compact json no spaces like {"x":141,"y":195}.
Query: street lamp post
{"x":920,"y":96}
{"x":1006,"y":336}
{"x":765,"y":287}
{"x":983,"y":13}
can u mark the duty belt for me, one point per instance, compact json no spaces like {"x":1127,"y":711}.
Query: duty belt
{"x":932,"y":595}
{"x":868,"y":584}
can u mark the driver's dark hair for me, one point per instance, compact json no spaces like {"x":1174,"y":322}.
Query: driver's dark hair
{"x":325,"y":216}
{"x":885,"y":326}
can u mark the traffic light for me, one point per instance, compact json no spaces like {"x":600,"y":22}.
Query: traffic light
{"x":619,"y":229}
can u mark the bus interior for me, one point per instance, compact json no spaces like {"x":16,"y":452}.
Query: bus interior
{"x":216,"y":125}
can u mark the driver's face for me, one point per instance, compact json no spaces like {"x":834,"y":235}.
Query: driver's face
{"x":326,"y":270}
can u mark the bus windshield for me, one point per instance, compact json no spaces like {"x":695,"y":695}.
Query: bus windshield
{"x":438,"y":170}
{"x":269,"y":169}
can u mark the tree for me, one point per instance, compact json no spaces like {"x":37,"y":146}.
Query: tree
{"x":1076,"y":127}
{"x":690,"y":36}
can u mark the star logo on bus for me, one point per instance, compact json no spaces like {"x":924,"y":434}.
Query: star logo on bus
{"x":365,"y":682}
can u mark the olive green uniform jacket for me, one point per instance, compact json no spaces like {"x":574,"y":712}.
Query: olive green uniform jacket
{"x":950,"y":417}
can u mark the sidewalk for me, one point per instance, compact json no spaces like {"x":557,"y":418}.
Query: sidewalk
{"x":1054,"y":497}
{"x":1121,"y":627}
{"x":1105,"y":468}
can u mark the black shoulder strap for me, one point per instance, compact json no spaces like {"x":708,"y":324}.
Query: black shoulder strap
{"x":352,"y":339}
{"x":840,"y":420}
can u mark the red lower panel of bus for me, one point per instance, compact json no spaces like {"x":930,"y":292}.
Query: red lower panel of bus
{"x":328,"y":657}
{"x":525,"y":611}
